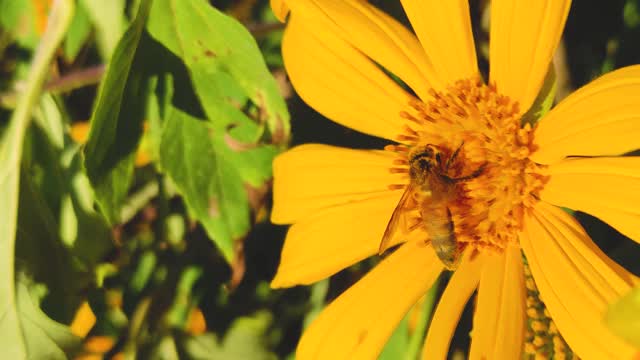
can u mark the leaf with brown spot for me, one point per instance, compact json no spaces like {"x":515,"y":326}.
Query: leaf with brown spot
{"x":211,"y":176}
{"x":214,"y":208}
{"x":232,"y":62}
{"x":235,"y":144}
{"x":238,"y":266}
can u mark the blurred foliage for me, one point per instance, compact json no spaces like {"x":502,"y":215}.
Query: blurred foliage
{"x":135,"y":204}
{"x":623,"y":317}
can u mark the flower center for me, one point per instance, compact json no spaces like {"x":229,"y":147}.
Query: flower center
{"x":478,"y":152}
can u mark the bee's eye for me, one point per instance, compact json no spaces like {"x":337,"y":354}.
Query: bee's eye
{"x":438,"y":158}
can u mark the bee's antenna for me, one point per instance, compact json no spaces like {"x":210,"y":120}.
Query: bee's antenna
{"x":453,"y":157}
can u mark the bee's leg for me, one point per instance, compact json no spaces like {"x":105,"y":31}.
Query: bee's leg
{"x":452,"y":158}
{"x":473,"y":175}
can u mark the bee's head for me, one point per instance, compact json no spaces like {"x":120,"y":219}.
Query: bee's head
{"x":423,"y":160}
{"x":426,"y":157}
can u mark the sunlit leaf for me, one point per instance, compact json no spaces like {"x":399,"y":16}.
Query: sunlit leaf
{"x":212,"y":176}
{"x":78,"y":33}
{"x":46,"y":338}
{"x":109,"y":20}
{"x":19,"y":17}
{"x":215,"y":48}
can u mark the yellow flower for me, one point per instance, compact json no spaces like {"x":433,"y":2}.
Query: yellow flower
{"x":340,"y":200}
{"x":80,"y":133}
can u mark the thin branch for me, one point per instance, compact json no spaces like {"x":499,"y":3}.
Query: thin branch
{"x":258,"y":30}
{"x":92,"y":75}
{"x":72,"y":80}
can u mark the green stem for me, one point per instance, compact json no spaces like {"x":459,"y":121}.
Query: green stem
{"x":10,"y":156}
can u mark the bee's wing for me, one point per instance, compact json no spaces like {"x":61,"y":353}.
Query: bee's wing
{"x":397,"y":218}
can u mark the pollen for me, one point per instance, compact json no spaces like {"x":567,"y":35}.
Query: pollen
{"x":482,"y":129}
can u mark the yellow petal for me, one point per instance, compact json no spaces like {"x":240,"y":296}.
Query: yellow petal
{"x":280,"y":9}
{"x":312,"y":177}
{"x":374,"y":33}
{"x":444,"y":29}
{"x":341,"y":83}
{"x":608,"y":188}
{"x":524,"y":36}
{"x":359,"y":322}
{"x":83,"y":320}
{"x":460,"y":288}
{"x":95,"y":346}
{"x":576,"y":281}
{"x":332,"y":239}
{"x":601,"y":118}
{"x":80,"y":132}
{"x":196,"y":323}
{"x":499,"y":320}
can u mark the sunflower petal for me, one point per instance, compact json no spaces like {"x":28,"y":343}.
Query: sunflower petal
{"x":313,"y":177}
{"x":524,"y":36}
{"x":576,"y":281}
{"x":280,"y":9}
{"x":450,"y":306}
{"x":340,"y":82}
{"x":499,"y":321}
{"x":374,"y":33}
{"x":607,"y":187}
{"x":327,"y":242}
{"x":601,"y":118}
{"x":444,"y":29}
{"x":358,"y":323}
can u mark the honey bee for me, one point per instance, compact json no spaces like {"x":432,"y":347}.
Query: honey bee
{"x":434,"y":189}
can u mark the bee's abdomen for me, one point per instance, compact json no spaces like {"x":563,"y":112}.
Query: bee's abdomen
{"x":440,"y":230}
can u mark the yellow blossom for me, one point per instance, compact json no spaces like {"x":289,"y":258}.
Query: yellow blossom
{"x":80,"y":133}
{"x":340,"y":200}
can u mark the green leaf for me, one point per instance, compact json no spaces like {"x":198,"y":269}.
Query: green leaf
{"x":78,"y":33}
{"x":407,"y":340}
{"x":631,"y":13}
{"x":46,"y":339}
{"x":219,"y":51}
{"x":116,"y":123}
{"x":397,"y":344}
{"x":49,"y":117}
{"x":214,"y":77}
{"x":145,"y":265}
{"x":425,"y":306}
{"x":319,"y":292}
{"x":58,"y":176}
{"x":211,"y":176}
{"x":246,"y":339}
{"x":623,"y":317}
{"x":109,"y":21}
{"x":12,"y":335}
{"x":544,"y":101}
{"x":18,"y":17}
